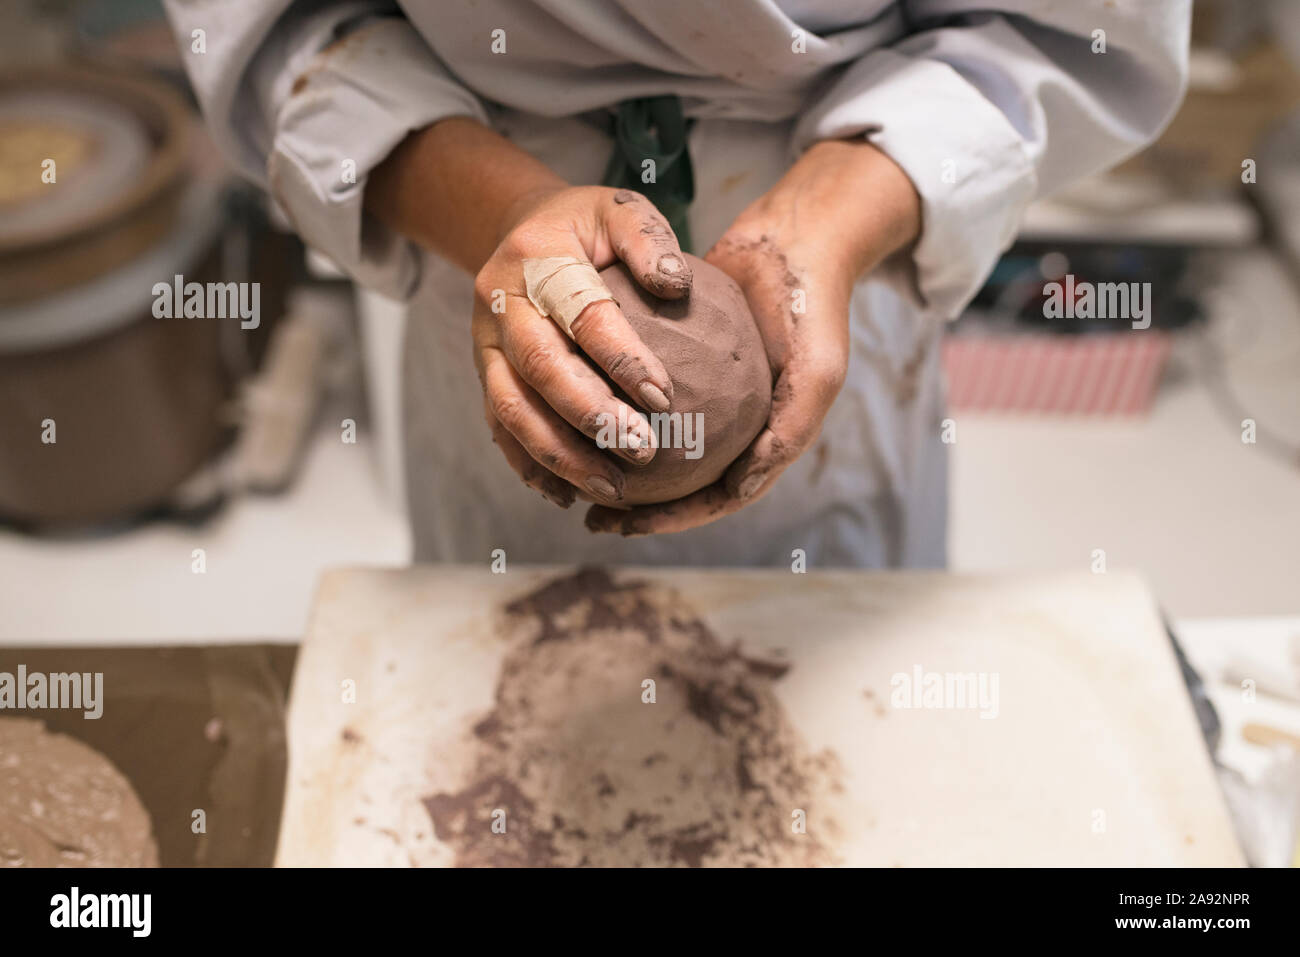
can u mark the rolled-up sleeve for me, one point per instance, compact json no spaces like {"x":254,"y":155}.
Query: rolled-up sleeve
{"x":306,"y":99}
{"x":987,"y":106}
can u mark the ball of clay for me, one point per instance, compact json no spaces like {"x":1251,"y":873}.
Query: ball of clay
{"x":722,"y":384}
{"x":63,"y":804}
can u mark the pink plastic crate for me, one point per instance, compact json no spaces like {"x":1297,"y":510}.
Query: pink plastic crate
{"x":1103,"y":374}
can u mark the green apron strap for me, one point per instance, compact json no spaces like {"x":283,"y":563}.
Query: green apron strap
{"x":653,"y":128}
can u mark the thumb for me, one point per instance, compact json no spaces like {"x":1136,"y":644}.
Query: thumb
{"x":642,"y":238}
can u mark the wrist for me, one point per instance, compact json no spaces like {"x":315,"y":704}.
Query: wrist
{"x":855,"y":205}
{"x":452,"y":187}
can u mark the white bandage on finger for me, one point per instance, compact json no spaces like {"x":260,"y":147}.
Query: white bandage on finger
{"x":561,"y":287}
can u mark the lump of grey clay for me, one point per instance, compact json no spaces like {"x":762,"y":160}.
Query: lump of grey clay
{"x":711,"y":347}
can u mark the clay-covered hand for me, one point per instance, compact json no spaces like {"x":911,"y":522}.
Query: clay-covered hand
{"x":796,"y":252}
{"x":476,"y":198}
{"x":544,"y":402}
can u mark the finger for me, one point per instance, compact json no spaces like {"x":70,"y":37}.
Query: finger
{"x":699,"y":508}
{"x":642,"y":238}
{"x":564,"y":286}
{"x":803,"y":394}
{"x":549,"y":362}
{"x":553,"y":488}
{"x":551,"y":442}
{"x":603,"y":332}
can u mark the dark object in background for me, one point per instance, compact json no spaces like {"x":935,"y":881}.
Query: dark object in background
{"x":95,"y":166}
{"x":192,"y":728}
{"x":1009,"y":354}
{"x":129,"y":35}
{"x":136,"y":404}
{"x":1206,"y":716}
{"x":1014,"y":295}
{"x":130,"y":402}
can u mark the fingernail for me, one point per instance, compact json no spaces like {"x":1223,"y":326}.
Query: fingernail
{"x":637,"y":448}
{"x":558,"y":493}
{"x":671,"y":264}
{"x":653,"y":396}
{"x":641,"y":456}
{"x":600,"y":486}
{"x":750,"y":485}
{"x":639,"y":440}
{"x":674,"y":274}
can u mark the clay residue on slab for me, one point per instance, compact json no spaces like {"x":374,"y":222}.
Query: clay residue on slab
{"x":582,"y":771}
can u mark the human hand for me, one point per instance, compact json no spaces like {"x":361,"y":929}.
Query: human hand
{"x":479,"y":200}
{"x":796,"y":252}
{"x":544,"y":400}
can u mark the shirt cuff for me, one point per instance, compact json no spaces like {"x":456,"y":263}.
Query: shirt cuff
{"x":352,"y":105}
{"x":966,"y":160}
